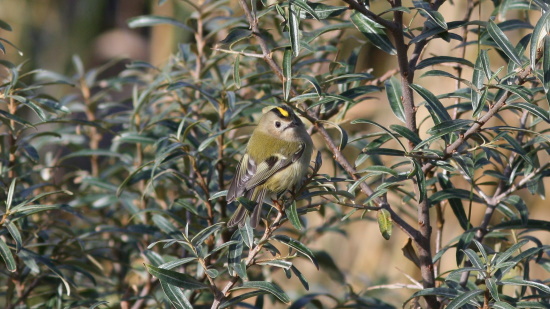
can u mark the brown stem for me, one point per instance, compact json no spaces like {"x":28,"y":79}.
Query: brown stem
{"x":12,"y":108}
{"x":220,"y":166}
{"x":25,"y":294}
{"x":94,"y":135}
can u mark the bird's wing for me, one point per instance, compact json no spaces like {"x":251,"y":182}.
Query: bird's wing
{"x":246,"y":169}
{"x":272,"y":165}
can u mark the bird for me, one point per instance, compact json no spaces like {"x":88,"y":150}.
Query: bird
{"x":276,"y":159}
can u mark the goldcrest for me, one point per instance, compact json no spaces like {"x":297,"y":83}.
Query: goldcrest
{"x":277,"y":159}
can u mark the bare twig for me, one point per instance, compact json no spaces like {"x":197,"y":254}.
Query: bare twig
{"x":229,"y":51}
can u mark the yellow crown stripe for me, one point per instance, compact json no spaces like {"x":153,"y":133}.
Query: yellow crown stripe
{"x":283,"y":111}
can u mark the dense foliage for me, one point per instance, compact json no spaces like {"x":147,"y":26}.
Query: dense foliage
{"x":115,"y":193}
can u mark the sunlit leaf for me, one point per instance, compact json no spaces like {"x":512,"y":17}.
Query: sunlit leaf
{"x":502,"y":41}
{"x":374,"y":32}
{"x":269,"y":287}
{"x":393,"y":91}
{"x":175,"y":278}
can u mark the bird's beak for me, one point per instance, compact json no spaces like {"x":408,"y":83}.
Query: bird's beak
{"x":293,"y":124}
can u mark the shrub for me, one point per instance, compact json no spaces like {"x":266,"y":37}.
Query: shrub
{"x":115,"y":193}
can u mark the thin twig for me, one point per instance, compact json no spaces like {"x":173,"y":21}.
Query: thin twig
{"x":251,"y":256}
{"x":229,"y":51}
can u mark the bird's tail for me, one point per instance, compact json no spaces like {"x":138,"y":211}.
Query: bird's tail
{"x":239,"y":217}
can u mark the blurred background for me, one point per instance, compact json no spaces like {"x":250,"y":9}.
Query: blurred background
{"x":50,"y":32}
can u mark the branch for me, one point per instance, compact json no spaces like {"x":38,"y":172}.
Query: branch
{"x":310,"y":115}
{"x":251,"y":256}
{"x":447,"y":153}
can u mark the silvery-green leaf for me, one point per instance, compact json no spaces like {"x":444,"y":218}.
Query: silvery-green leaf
{"x":374,"y":32}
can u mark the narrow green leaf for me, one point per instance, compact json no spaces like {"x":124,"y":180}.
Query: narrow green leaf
{"x":406,"y":133}
{"x":177,"y":262}
{"x":385,"y":152}
{"x":152,"y":20}
{"x":236,"y":35}
{"x":183,"y":281}
{"x":445,"y":292}
{"x":537,"y":285}
{"x":442,"y":59}
{"x":374,"y":32}
{"x":455,"y":203}
{"x":533,"y":109}
{"x":436,"y":17}
{"x":503,"y":305}
{"x":379,"y":169}
{"x":236,"y":72}
{"x":234,"y":257}
{"x":502,"y":41}
{"x":385,"y":223}
{"x":454,"y":193}
{"x":474,"y":258}
{"x":292,"y":215}
{"x":325,"y":11}
{"x":4,"y":25}
{"x":305,"y":6}
{"x":420,"y":180}
{"x":437,"y":110}
{"x":269,"y":287}
{"x":287,"y":73}
{"x":301,"y":277}
{"x":541,"y":29}
{"x":276,"y":263}
{"x":518,"y":203}
{"x":393,"y":91}
{"x":482,"y":250}
{"x":546,"y":64}
{"x":204,"y":234}
{"x":99,"y":303}
{"x":14,"y":232}
{"x":167,"y":227}
{"x":235,"y":300}
{"x":11,"y":192}
{"x":15,"y":118}
{"x":247,"y":234}
{"x":450,"y":126}
{"x":478,"y":78}
{"x":294,"y":26}
{"x":518,"y":90}
{"x":464,"y":298}
{"x":531,"y":304}
{"x":390,"y":133}
{"x":463,"y":243}
{"x":176,"y":296}
{"x":504,"y":256}
{"x":313,"y":81}
{"x":343,"y":133}
{"x":518,"y":224}
{"x":517,"y":148}
{"x":492,"y":287}
{"x":298,"y":246}
{"x":6,"y":254}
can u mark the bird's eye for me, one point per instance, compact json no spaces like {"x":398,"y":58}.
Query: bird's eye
{"x":277,"y":124}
